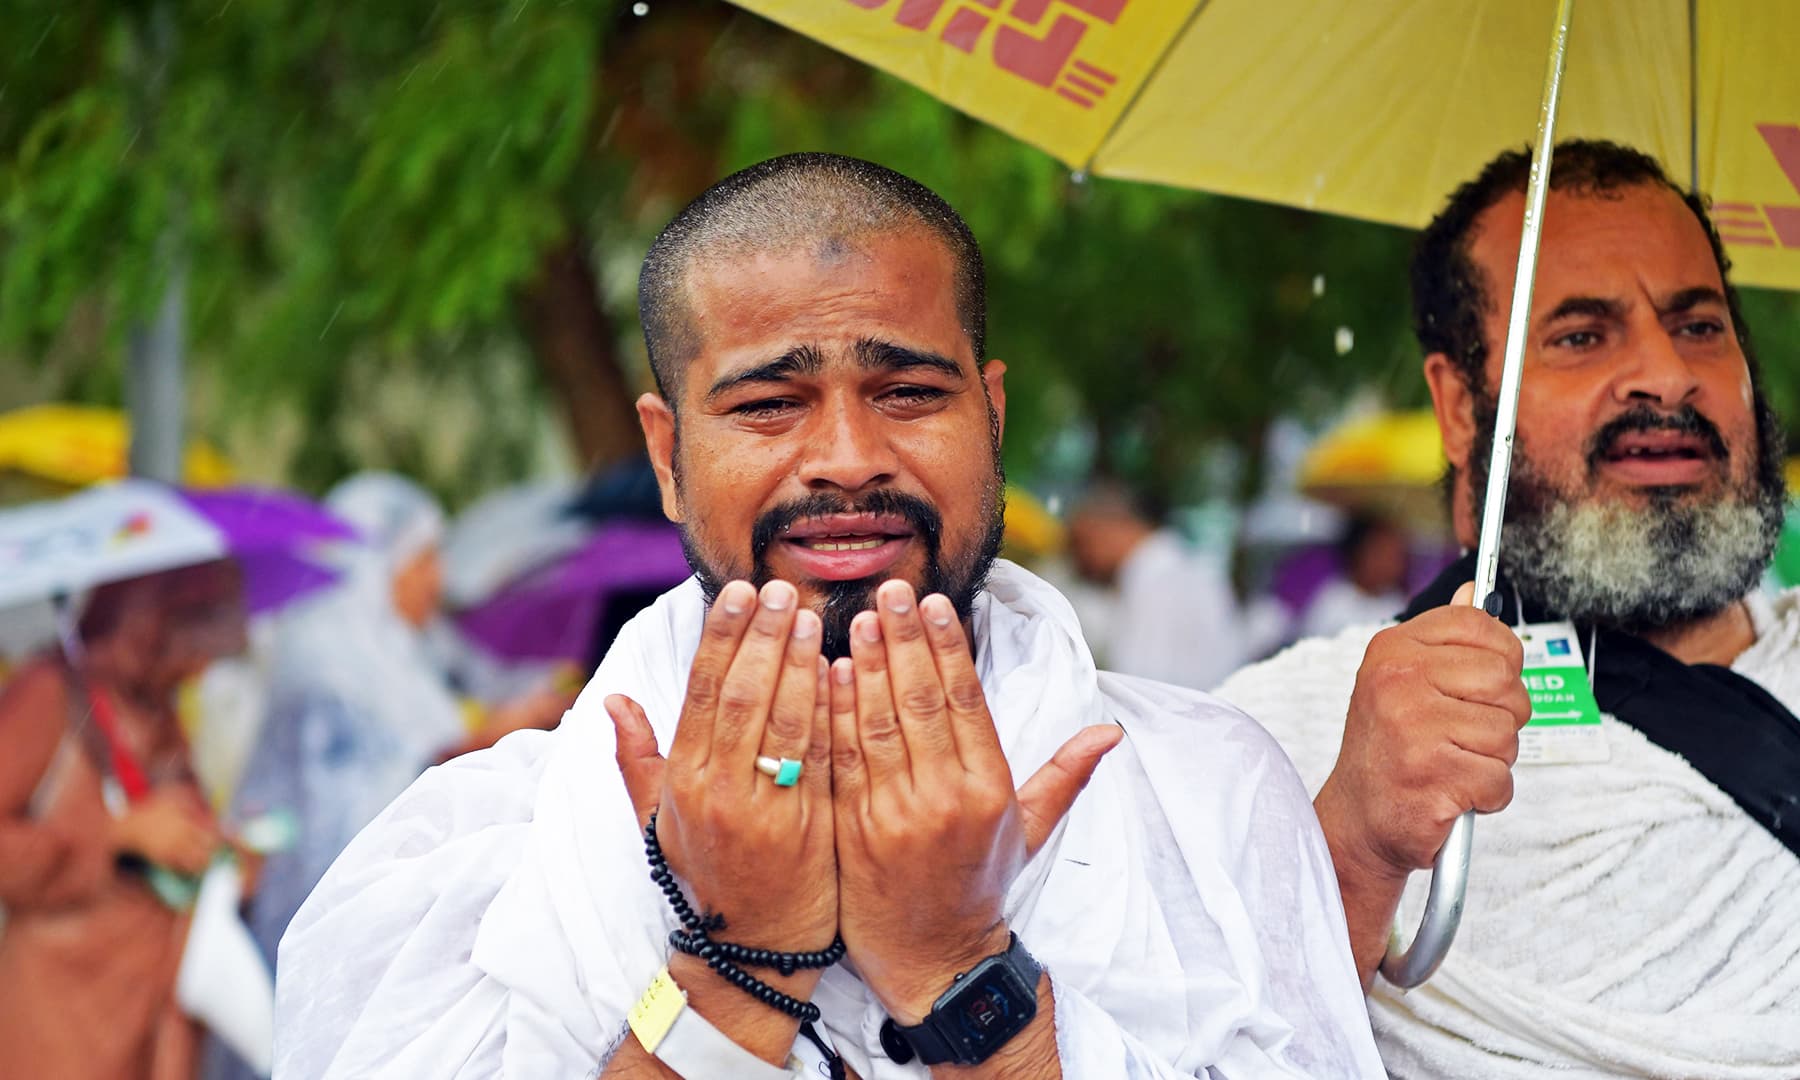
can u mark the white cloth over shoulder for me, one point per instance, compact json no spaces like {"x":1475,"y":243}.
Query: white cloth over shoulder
{"x":499,"y":920}
{"x":1623,"y":919}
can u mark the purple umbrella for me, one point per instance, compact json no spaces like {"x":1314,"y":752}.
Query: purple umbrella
{"x":269,"y":533}
{"x":136,"y":527}
{"x":550,"y":613}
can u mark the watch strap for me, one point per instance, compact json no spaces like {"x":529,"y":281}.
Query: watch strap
{"x":934,"y":1041}
{"x":687,"y":1043}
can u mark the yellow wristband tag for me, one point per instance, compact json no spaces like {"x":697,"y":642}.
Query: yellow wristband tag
{"x":655,"y":1013}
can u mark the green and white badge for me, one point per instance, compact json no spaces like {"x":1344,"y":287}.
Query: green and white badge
{"x":1565,"y":723}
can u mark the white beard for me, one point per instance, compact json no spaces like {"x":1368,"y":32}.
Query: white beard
{"x":1639,"y":568}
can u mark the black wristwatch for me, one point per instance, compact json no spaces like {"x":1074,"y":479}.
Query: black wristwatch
{"x":983,"y":1009}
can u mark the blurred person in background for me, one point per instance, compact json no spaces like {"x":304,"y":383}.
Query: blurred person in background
{"x":358,"y":709}
{"x":95,"y":791}
{"x":1373,"y":557}
{"x":1173,"y":616}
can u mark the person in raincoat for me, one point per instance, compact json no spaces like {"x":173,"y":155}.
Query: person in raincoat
{"x":96,"y":797}
{"x":357,"y":708}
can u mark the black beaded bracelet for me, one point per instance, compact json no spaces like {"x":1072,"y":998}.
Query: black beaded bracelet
{"x":665,"y":880}
{"x":696,"y":944}
{"x":804,"y":1011}
{"x":723,"y":957}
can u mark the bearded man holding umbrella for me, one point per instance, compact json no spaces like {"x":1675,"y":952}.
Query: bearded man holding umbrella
{"x":1634,"y":911}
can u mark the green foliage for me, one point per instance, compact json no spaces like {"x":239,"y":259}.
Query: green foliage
{"x":1774,"y":320}
{"x":349,"y":188}
{"x":359,"y":192}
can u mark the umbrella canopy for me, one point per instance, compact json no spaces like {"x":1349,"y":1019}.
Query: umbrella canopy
{"x":136,"y":527}
{"x":271,"y":533}
{"x":505,"y":535}
{"x":1373,"y":110}
{"x":551,"y":612}
{"x":78,"y":445}
{"x":1389,"y":464}
{"x":1031,"y":530}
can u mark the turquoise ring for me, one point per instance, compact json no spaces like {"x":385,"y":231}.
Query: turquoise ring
{"x":784,"y":771}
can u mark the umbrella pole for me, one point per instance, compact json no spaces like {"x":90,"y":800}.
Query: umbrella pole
{"x":1408,"y":967}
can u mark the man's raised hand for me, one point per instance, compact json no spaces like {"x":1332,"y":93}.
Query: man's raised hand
{"x":929,"y":830}
{"x":758,"y":854}
{"x":1432,"y":731}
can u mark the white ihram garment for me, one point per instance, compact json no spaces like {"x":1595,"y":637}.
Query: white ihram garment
{"x":1623,"y":919}
{"x":499,"y":920}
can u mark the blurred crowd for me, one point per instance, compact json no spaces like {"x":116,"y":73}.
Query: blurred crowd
{"x":225,"y":726}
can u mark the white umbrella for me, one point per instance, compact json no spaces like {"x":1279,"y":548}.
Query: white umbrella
{"x":104,"y":534}
{"x":507,"y":533}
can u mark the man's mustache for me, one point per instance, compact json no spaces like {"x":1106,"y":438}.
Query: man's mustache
{"x":1686,"y":420}
{"x":926,"y":522}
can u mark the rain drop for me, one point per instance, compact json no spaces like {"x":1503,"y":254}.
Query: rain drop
{"x":335,"y":312}
{"x":1318,"y":284}
{"x":1345,"y":340}
{"x":1079,"y":176}
{"x":640,"y":9}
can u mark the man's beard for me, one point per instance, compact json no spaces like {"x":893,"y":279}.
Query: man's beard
{"x":1674,"y":559}
{"x":960,"y":579}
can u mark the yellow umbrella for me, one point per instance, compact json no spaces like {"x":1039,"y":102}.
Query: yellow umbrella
{"x":1032,"y":531}
{"x":1373,"y":110}
{"x":1389,"y":464}
{"x":78,"y":445}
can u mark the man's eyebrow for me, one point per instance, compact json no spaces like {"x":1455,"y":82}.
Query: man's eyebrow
{"x":875,"y":355}
{"x":1593,"y":307}
{"x":799,"y":360}
{"x":1689,"y":299}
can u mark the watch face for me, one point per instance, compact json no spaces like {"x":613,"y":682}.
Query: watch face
{"x":990,"y":1007}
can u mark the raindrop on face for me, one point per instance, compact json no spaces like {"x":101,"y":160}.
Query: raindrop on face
{"x":640,"y":9}
{"x":1345,"y":340}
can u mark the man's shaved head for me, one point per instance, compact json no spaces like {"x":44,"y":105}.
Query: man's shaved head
{"x":825,"y":201}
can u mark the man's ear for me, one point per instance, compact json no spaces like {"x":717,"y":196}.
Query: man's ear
{"x":1455,"y":408}
{"x":658,"y":421}
{"x":993,"y":376}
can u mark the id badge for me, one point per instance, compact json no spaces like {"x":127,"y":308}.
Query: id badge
{"x":1565,"y":726}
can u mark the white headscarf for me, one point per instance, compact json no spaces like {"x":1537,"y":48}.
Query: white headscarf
{"x":395,"y":517}
{"x":353,"y":643}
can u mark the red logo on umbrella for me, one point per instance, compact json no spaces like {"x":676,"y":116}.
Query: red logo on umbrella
{"x":1044,"y":55}
{"x":1744,"y":223}
{"x":131,"y":528}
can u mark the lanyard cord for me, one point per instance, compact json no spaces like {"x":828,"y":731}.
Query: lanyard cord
{"x":834,"y":1061}
{"x":123,"y":765}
